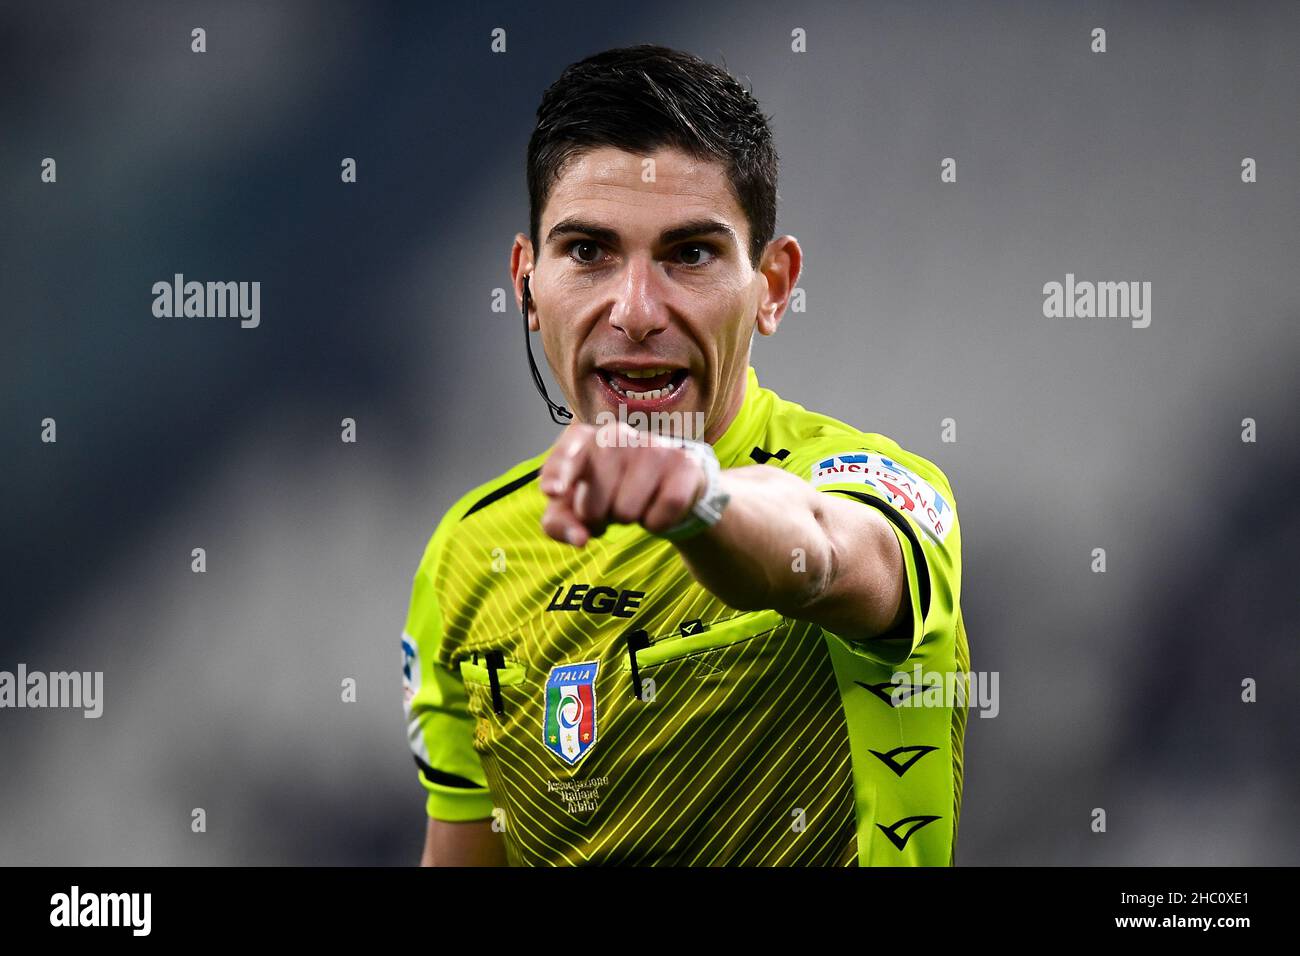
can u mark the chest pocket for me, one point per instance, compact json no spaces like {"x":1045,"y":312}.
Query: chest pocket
{"x":489,"y":678}
{"x":705,"y":645}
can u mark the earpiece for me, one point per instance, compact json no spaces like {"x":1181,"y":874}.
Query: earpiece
{"x":559,"y":414}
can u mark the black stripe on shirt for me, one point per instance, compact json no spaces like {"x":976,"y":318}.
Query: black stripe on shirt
{"x":501,"y":492}
{"x":922,"y":568}
{"x":445,"y":779}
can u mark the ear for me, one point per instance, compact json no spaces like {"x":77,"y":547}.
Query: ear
{"x":521,"y":265}
{"x":780,"y":267}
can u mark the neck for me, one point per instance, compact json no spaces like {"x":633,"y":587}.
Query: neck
{"x":733,"y":408}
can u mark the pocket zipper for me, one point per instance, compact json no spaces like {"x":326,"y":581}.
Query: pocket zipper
{"x":495,"y":673}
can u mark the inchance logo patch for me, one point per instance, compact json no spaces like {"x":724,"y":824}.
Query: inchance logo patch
{"x":902,"y":488}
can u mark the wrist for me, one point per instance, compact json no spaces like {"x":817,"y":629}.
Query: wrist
{"x":710,"y":502}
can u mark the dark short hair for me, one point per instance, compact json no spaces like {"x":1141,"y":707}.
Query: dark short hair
{"x":642,"y":98}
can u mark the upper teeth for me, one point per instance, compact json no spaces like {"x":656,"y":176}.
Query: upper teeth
{"x":652,"y":394}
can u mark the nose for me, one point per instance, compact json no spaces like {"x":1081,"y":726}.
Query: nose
{"x":639,"y":310}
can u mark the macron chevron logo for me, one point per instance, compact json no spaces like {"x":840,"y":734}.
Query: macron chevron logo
{"x":892,"y":831}
{"x":891,"y":693}
{"x":900,"y":768}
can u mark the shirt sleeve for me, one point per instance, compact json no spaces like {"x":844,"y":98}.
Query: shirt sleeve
{"x":440,"y":728}
{"x":916,"y":498}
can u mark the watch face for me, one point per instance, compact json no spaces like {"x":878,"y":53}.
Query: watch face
{"x":713,"y":505}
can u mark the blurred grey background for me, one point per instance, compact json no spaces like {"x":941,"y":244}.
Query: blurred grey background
{"x":1118,"y":690}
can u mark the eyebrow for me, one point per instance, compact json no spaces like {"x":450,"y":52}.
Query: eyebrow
{"x":687,"y":230}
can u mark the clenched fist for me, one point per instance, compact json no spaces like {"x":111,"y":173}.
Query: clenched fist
{"x":614,"y":474}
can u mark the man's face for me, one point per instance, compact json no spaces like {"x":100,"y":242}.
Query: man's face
{"x":643,"y":290}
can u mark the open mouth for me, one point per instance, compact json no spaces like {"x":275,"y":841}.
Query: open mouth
{"x":644,"y":387}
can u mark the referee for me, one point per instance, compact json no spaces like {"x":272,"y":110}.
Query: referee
{"x":702,"y":628}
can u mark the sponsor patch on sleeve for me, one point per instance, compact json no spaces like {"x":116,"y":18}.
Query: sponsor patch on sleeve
{"x":410,"y":670}
{"x":905,"y":490}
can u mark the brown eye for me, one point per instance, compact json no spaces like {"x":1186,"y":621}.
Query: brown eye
{"x":591,"y":246}
{"x":692,"y":251}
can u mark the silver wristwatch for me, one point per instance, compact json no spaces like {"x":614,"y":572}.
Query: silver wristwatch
{"x":707,"y":510}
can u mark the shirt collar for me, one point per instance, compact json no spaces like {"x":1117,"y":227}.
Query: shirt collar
{"x":747,"y":428}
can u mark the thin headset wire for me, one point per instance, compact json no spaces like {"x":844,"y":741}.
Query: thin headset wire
{"x":559,"y":414}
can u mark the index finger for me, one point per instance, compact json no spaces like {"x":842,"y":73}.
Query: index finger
{"x":567,"y":460}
